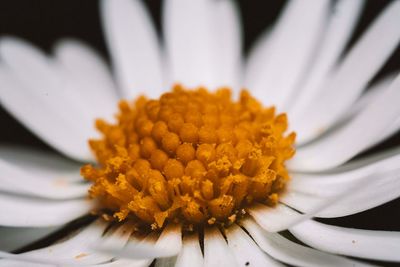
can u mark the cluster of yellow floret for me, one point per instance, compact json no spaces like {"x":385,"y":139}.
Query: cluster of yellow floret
{"x":192,"y":156}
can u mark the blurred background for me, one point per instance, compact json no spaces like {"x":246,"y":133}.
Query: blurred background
{"x":43,"y":22}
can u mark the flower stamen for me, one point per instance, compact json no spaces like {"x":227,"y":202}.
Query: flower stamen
{"x":192,"y":156}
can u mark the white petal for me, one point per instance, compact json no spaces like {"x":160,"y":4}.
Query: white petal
{"x":340,"y":26}
{"x":190,"y":44}
{"x":74,"y":251}
{"x":246,"y":252}
{"x":12,"y":263}
{"x":393,"y":129}
{"x":216,"y":251}
{"x":30,"y":212}
{"x":363,"y":131}
{"x":88,"y":76}
{"x":190,"y":254}
{"x":364,"y":161}
{"x":343,"y":87}
{"x":370,"y":95}
{"x":15,"y":180}
{"x":168,"y":244}
{"x":374,"y":184}
{"x":383,"y":187}
{"x":379,"y":188}
{"x":300,"y":201}
{"x":274,"y":219}
{"x":128,"y":262}
{"x":258,"y":55}
{"x":170,"y":240}
{"x":165,"y":262}
{"x":328,"y":184}
{"x":134,"y":47}
{"x":376,"y":245}
{"x":16,"y":260}
{"x":32,"y":89}
{"x":229,"y":44}
{"x":290,"y":53}
{"x":46,"y":165}
{"x":117,"y":238}
{"x":13,"y":238}
{"x":292,"y":253}
{"x":135,"y":249}
{"x":203,"y":42}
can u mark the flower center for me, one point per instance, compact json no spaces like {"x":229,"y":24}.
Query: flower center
{"x":193,"y":157}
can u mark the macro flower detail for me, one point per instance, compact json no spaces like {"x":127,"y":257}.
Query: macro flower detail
{"x":190,"y":157}
{"x":205,"y":173}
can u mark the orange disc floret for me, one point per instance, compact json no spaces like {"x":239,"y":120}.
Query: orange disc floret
{"x":192,"y":156}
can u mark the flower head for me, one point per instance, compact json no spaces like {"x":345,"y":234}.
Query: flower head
{"x":191,"y":157}
{"x":195,"y":177}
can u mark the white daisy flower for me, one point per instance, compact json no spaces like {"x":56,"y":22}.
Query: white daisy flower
{"x":194,"y":178}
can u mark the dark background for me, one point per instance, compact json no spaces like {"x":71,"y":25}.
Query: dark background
{"x":43,"y":22}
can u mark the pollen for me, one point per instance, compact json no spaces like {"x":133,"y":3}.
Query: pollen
{"x":192,"y":156}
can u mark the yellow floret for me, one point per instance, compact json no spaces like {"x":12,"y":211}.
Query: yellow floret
{"x":191,"y":156}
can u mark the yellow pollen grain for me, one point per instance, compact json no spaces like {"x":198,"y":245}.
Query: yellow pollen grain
{"x":189,"y":133}
{"x":173,"y":169}
{"x":170,"y":142}
{"x":191,"y":156}
{"x":185,"y":153}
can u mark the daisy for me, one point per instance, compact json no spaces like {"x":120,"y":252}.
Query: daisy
{"x":169,"y":189}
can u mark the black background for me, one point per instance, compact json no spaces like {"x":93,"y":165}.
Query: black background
{"x":43,"y":22}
